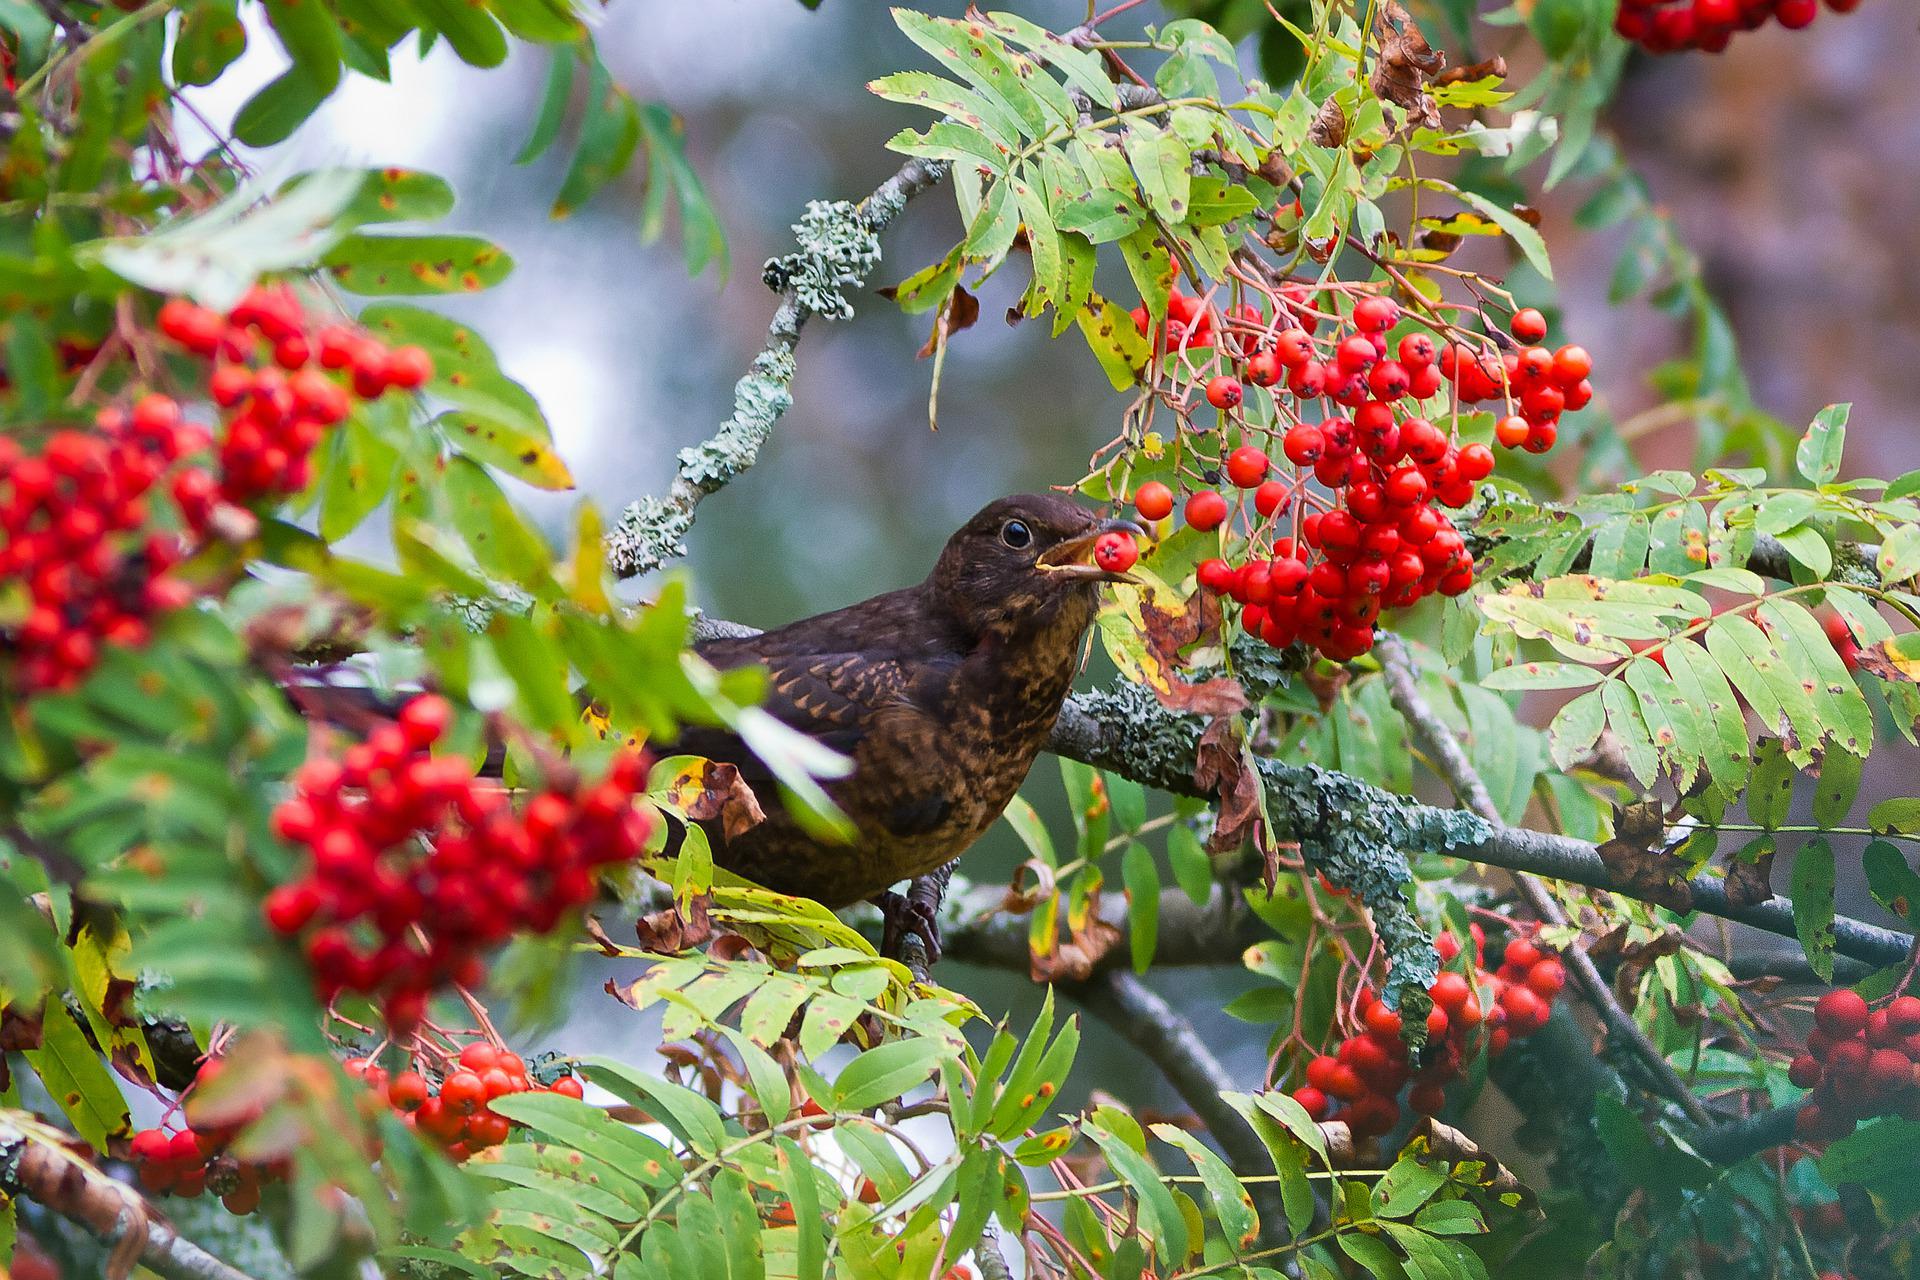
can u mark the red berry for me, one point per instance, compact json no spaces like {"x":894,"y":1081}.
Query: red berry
{"x":1528,"y":325}
{"x":1247,"y":466}
{"x":1206,"y":510}
{"x":1375,"y":314}
{"x":1224,"y":392}
{"x":1215,"y":575}
{"x":1115,"y":552}
{"x":463,"y":1091}
{"x":1153,"y":500}
{"x":1841,"y":1013}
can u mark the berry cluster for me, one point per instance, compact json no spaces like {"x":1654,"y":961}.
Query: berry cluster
{"x":1860,"y":1062}
{"x":81,"y":537}
{"x":1319,"y":565}
{"x":455,"y":1114}
{"x":75,"y":538}
{"x":189,"y":1161}
{"x":1671,"y":26}
{"x":277,"y":412}
{"x":1370,"y":1067}
{"x":417,"y":865}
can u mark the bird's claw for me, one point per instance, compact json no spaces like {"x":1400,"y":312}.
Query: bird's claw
{"x":903,"y":917}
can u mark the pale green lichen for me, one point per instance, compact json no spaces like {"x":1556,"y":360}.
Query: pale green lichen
{"x":838,"y":250}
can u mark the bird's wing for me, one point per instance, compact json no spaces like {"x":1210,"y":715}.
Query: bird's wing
{"x":831,"y":697}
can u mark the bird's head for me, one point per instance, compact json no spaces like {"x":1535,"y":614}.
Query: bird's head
{"x":1025,"y":562}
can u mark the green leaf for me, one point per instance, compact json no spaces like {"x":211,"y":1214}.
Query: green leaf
{"x":607,"y":141}
{"x":1142,"y":881}
{"x":210,"y":38}
{"x":1770,"y":794}
{"x":692,"y":1117}
{"x":1899,"y":557}
{"x":553,"y":107}
{"x":524,"y":455}
{"x":1115,"y":343}
{"x":399,"y":265}
{"x":1575,"y":728}
{"x":1161,"y":161}
{"x":465,"y":370}
{"x":796,"y":1175}
{"x":1542,"y":675}
{"x":1160,"y":1217}
{"x":1899,"y":814}
{"x":501,"y":541}
{"x":1192,"y":868}
{"x":1818,"y":455}
{"x":1406,"y":1186}
{"x":886,"y":1071}
{"x":1836,"y":787}
{"x":280,"y":107}
{"x":1813,"y":904}
{"x":1232,"y":1206}
{"x":1518,"y":230}
{"x":470,"y":29}
{"x":75,"y":1078}
{"x":1893,"y":884}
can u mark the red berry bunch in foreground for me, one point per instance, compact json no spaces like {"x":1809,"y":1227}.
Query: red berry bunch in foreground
{"x":455,"y":1112}
{"x":1369,"y":1069}
{"x":80,"y":533}
{"x":187,"y":1161}
{"x":281,"y":381}
{"x":1860,"y":1062}
{"x":1670,"y":26}
{"x":1347,"y":521}
{"x":78,"y":545}
{"x":418,"y":866}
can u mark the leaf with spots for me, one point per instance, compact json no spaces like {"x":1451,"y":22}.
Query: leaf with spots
{"x":75,"y":1078}
{"x":1813,"y":877}
{"x":1232,"y":1206}
{"x":1678,"y":539}
{"x":1818,"y":455}
{"x":1890,"y":879}
{"x":521,"y":454}
{"x":210,"y":38}
{"x":1770,"y":793}
{"x":465,"y":370}
{"x":502,"y":543}
{"x":1161,"y":161}
{"x":403,"y":265}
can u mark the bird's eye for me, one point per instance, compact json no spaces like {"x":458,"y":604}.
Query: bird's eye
{"x":1016,"y":535}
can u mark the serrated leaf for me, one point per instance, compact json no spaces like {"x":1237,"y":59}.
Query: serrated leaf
{"x":1161,"y":162}
{"x":1899,"y":557}
{"x":75,"y":1078}
{"x":1232,"y":1206}
{"x":1523,"y":235}
{"x":1575,"y":728}
{"x":1542,"y":675}
{"x":886,"y":1071}
{"x":1812,"y":895}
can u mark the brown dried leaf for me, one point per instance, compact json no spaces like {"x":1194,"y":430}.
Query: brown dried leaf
{"x":1329,"y":128}
{"x":1882,"y":660}
{"x":709,"y":789}
{"x":673,"y":930}
{"x":1405,"y":62}
{"x":1750,"y":882}
{"x":1636,"y":959}
{"x":598,"y":933}
{"x":1075,"y":959}
{"x":1638,"y":863}
{"x":1496,"y":67}
{"x":1220,"y":767}
{"x":956,"y":315}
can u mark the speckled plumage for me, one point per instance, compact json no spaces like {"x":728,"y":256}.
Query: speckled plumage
{"x":942,"y":694}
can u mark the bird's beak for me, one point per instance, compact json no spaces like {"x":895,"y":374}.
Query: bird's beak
{"x":1074,"y":557}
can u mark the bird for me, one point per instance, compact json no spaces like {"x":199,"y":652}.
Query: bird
{"x":941,"y":695}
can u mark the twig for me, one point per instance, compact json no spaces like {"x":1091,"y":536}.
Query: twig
{"x":839,"y":247}
{"x":1169,"y":1041}
{"x":1450,"y":760}
{"x":105,"y":1208}
{"x":1730,"y":1143}
{"x":987,"y":1253}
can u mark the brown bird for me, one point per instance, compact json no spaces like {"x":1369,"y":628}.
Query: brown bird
{"x":941,"y":694}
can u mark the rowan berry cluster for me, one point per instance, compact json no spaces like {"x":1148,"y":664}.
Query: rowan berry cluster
{"x":1369,"y":1068}
{"x":82,"y":538}
{"x":271,"y":377}
{"x":1671,"y":26}
{"x":417,"y":866}
{"x":455,"y":1111}
{"x":1860,"y":1062}
{"x":187,"y":1161}
{"x":75,"y":537}
{"x":1320,"y":564}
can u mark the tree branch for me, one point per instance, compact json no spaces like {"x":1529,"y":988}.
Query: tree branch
{"x":1169,"y":1041}
{"x":105,"y":1208}
{"x":839,"y":247}
{"x":1125,"y":730}
{"x":1450,"y":760}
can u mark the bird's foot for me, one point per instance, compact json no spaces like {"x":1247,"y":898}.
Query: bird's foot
{"x":902,"y":917}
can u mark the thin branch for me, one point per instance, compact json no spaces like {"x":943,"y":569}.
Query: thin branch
{"x":839,"y":248}
{"x":1451,"y":762}
{"x":1730,"y":1143}
{"x":105,"y":1208}
{"x":1171,"y":1043}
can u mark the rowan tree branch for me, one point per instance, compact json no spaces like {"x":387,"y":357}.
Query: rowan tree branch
{"x":1125,"y":730}
{"x":839,"y":248}
{"x":105,"y":1208}
{"x":1450,"y":760}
